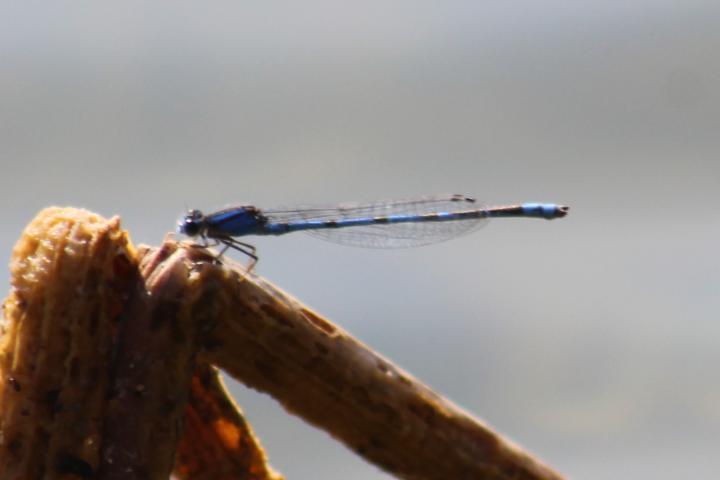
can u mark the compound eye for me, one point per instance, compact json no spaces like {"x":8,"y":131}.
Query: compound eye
{"x":190,"y":228}
{"x":191,"y":224}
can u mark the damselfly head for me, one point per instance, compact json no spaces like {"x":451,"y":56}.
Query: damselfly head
{"x":192,"y":224}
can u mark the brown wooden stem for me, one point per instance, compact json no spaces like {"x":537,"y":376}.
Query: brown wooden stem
{"x":270,"y":341}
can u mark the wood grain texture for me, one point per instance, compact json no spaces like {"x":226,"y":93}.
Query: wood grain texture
{"x":70,"y":272}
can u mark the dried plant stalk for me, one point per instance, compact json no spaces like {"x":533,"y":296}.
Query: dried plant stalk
{"x":273,"y":343}
{"x":155,"y":358}
{"x":70,"y":271}
{"x":96,"y":356}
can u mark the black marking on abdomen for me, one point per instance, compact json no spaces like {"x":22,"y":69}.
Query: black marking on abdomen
{"x":461,"y":198}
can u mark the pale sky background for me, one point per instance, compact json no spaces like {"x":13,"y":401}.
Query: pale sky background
{"x":593,"y":341}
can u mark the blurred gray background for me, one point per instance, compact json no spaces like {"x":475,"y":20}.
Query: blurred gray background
{"x":592,"y":341}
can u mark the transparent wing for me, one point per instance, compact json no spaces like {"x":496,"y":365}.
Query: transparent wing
{"x":386,"y":235}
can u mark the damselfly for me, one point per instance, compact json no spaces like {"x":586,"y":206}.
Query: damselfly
{"x":387,"y":224}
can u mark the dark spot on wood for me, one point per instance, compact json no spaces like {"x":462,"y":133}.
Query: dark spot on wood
{"x":92,"y":278}
{"x":361,"y":395}
{"x":375,"y":443}
{"x":205,"y":308}
{"x":52,"y":401}
{"x":391,"y":416}
{"x":315,"y":364}
{"x":170,"y":404}
{"x":14,"y":446}
{"x":72,"y":465}
{"x":266,"y":370}
{"x":212,"y":344}
{"x":124,"y":272}
{"x":248,"y":323}
{"x":163,"y":312}
{"x":94,"y":321}
{"x":322,"y":349}
{"x":179,"y":335}
{"x":290,"y":341}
